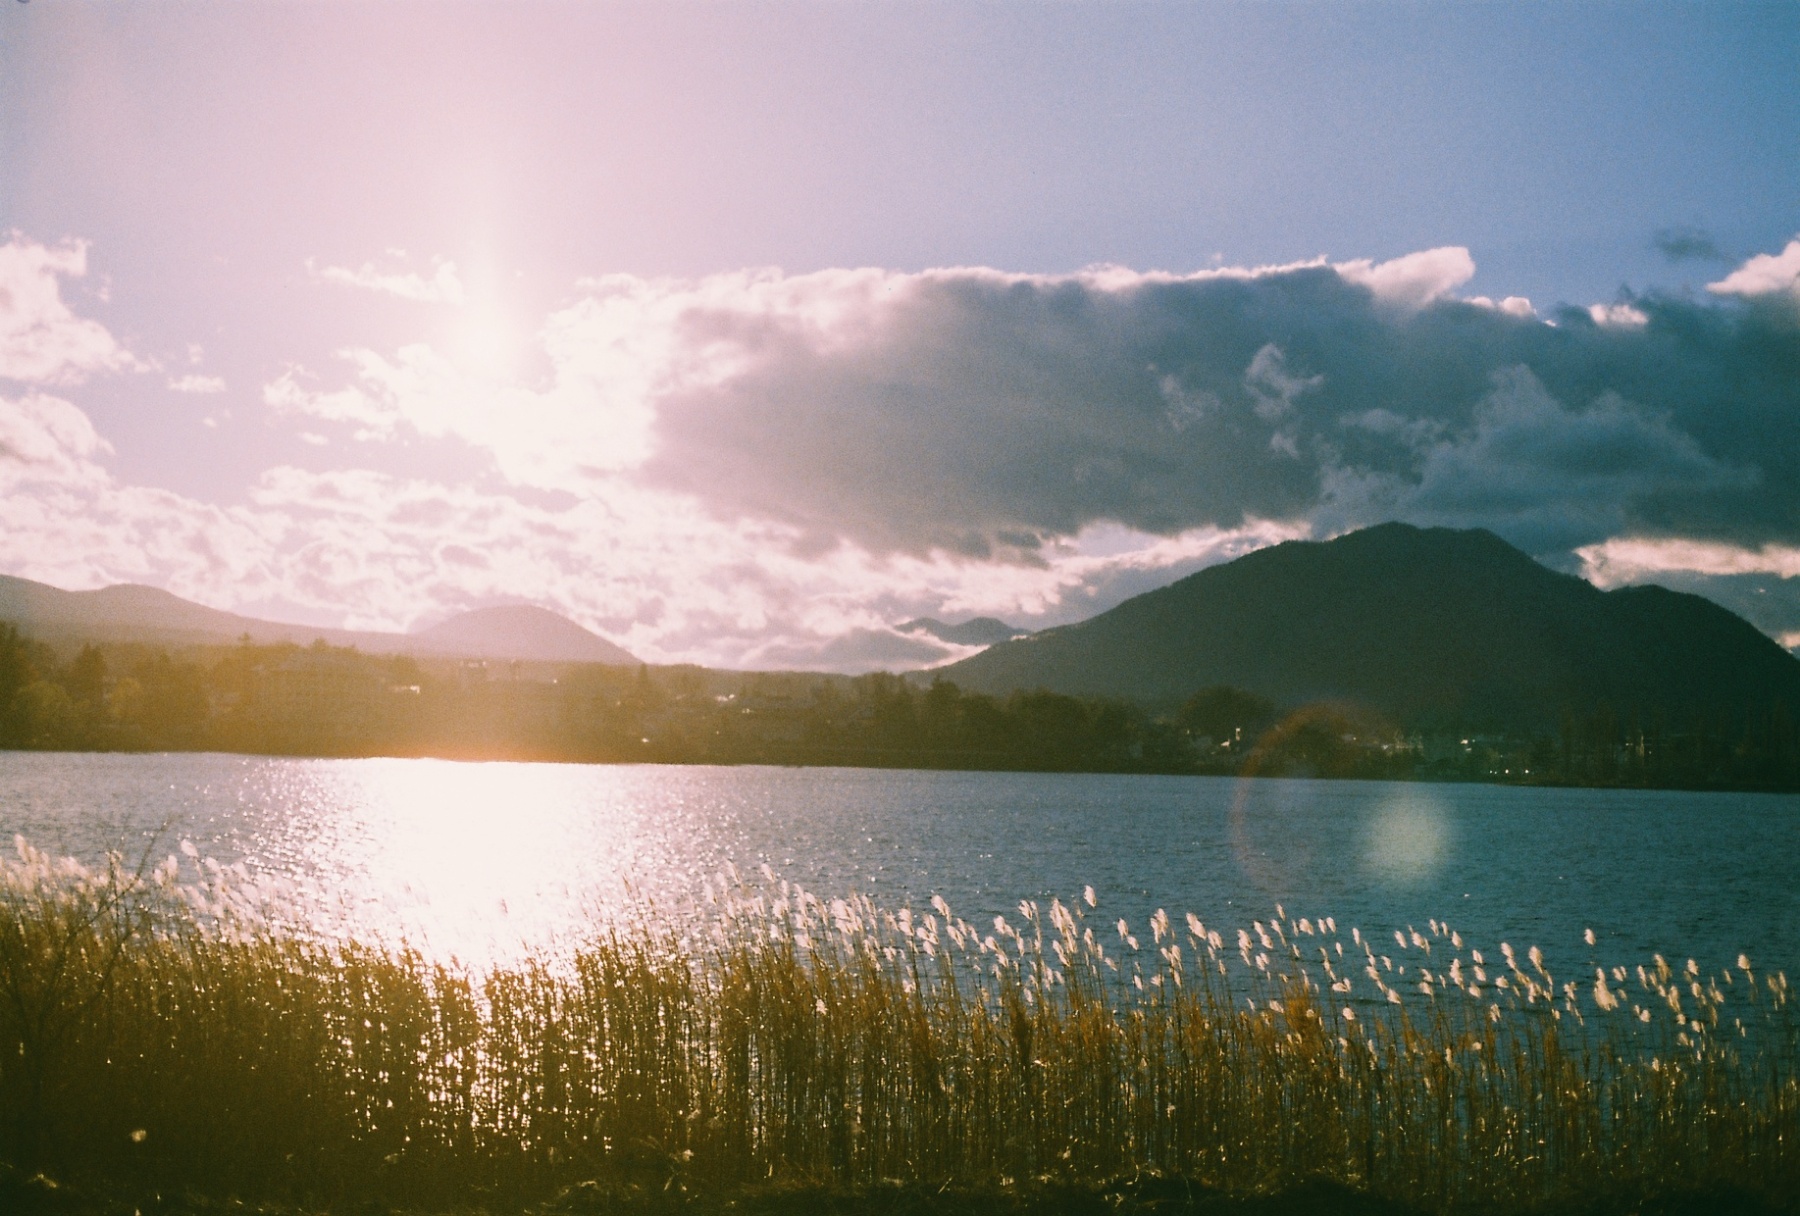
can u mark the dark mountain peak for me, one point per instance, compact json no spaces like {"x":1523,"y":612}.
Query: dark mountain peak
{"x":1421,"y":624}
{"x":1377,"y":570}
{"x":1401,"y":543}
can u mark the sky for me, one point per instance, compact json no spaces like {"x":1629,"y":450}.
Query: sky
{"x":741,"y":333}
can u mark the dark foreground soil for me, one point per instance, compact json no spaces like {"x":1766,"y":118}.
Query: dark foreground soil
{"x":1146,"y":1196}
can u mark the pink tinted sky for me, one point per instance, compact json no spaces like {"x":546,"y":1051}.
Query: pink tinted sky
{"x":741,"y":332}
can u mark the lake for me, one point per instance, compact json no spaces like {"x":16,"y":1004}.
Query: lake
{"x":479,"y":860}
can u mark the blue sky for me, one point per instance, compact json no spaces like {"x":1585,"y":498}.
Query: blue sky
{"x":365,"y":313}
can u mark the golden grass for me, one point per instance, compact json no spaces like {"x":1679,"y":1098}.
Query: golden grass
{"x":159,"y":1035}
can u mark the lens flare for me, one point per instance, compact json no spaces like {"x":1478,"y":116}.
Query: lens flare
{"x":1407,"y":840}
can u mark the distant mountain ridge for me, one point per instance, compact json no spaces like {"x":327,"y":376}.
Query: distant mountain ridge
{"x":132,"y":613}
{"x":977,"y":631}
{"x":1423,"y":625}
{"x":521,"y":631}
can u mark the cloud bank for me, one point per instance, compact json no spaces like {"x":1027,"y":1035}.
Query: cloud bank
{"x":983,"y":414}
{"x":764,"y":469}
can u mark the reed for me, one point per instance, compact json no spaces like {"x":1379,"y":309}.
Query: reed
{"x":158,"y":1031}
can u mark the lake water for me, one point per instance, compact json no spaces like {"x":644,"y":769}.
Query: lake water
{"x":477,"y":859}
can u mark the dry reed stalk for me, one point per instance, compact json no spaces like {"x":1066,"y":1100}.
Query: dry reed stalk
{"x":155,"y":1033}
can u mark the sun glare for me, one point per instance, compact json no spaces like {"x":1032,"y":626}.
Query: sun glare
{"x":485,"y":342}
{"x":475,"y":860}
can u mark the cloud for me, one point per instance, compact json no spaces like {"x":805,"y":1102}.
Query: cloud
{"x":65,"y":520}
{"x":1618,"y":316}
{"x":442,"y":286}
{"x":761,"y":469}
{"x":982,"y":414}
{"x":595,"y":416}
{"x":1516,"y":306}
{"x":1629,"y":559}
{"x":1765,"y":274}
{"x":656,"y":571}
{"x":666,"y":579}
{"x":862,"y":650}
{"x":1415,"y":280}
{"x":987,"y":416}
{"x":195,"y":383}
{"x":1532,"y":468}
{"x":45,"y":439}
{"x":1760,"y":584}
{"x":1684,"y":244}
{"x":41,"y":340}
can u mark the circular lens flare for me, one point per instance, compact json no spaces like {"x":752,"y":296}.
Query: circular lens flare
{"x":1407,"y":840}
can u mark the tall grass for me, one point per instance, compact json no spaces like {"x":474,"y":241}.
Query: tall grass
{"x":158,"y":1034}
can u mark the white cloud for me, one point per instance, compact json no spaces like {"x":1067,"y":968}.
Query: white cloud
{"x":442,"y":286}
{"x":1512,"y":306}
{"x":286,"y":395}
{"x":1764,"y":274}
{"x":65,"y":520}
{"x":41,"y":341}
{"x":195,"y":383}
{"x":1414,"y":280}
{"x":45,"y":439}
{"x":1618,"y":316}
{"x":1630,"y":559}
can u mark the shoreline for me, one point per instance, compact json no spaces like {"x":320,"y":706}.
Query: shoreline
{"x":1141,"y":1195}
{"x":897,"y":763}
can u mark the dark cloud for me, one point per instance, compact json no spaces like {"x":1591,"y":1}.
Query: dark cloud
{"x":985,"y":414}
{"x":1687,"y":244}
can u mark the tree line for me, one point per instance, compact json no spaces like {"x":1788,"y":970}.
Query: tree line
{"x":323,"y":700}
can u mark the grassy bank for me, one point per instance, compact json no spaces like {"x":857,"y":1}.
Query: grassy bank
{"x":160,"y":1038}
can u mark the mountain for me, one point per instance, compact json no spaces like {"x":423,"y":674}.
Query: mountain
{"x":977,"y":631}
{"x":130,"y":613}
{"x":520,"y":631}
{"x":1428,"y":626}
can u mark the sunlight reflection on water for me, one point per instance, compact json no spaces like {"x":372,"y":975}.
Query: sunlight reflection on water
{"x":1407,"y":839}
{"x":465,"y":858}
{"x":478,"y":860}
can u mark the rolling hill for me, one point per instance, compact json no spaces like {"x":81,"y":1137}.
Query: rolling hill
{"x":130,"y":613}
{"x":1427,"y":626}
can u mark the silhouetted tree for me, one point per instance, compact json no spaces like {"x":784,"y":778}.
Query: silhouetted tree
{"x":1226,"y":714}
{"x":15,"y":674}
{"x":85,"y":679}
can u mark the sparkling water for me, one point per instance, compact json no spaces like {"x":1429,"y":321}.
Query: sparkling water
{"x":480,"y":860}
